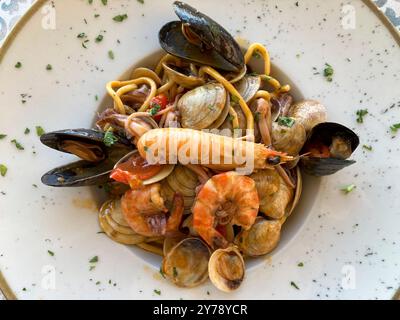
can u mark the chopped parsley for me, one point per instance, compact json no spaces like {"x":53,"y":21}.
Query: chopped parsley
{"x":49,"y":67}
{"x":50,"y":253}
{"x":210,"y":107}
{"x":99,"y":38}
{"x":18,"y":65}
{"x":348,"y":189}
{"x":156,"y":107}
{"x":256,"y":54}
{"x":92,"y":268}
{"x":27,"y":131}
{"x":328,"y":72}
{"x":157,"y":292}
{"x":2,"y":136}
{"x":369,"y":148}
{"x":96,"y":97}
{"x":95,"y":259}
{"x":3,"y":170}
{"x":109,"y":138}
{"x":96,"y":15}
{"x":17,"y":144}
{"x":361,"y":114}
{"x":98,"y":283}
{"x":234,"y":99}
{"x":111,"y":55}
{"x":294,"y":285}
{"x":81,"y":35}
{"x":104,"y":2}
{"x":286,"y":121}
{"x":300,"y":264}
{"x":120,"y":17}
{"x":394,"y":128}
{"x":140,"y":1}
{"x":162,"y":272}
{"x":40,"y":131}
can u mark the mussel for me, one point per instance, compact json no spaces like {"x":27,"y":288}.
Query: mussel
{"x":98,"y":158}
{"x":327,"y":149}
{"x":186,"y":264}
{"x":227,"y":269}
{"x":261,"y":238}
{"x":198,"y":38}
{"x":204,"y":107}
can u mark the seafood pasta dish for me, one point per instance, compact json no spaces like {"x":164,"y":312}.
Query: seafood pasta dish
{"x":201,"y":156}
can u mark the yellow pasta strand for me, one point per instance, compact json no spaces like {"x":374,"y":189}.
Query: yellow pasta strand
{"x":259,"y":48}
{"x":151,"y":248}
{"x":119,"y":106}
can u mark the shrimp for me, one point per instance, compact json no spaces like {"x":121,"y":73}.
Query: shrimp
{"x":146,"y":214}
{"x":226,"y":198}
{"x":213,"y":151}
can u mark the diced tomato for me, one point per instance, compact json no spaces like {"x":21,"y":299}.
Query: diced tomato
{"x":134,"y":171}
{"x":158,"y":103}
{"x":318,"y":150}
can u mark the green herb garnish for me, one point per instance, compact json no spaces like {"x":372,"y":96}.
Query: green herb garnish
{"x":120,"y":17}
{"x":18,"y":65}
{"x":2,"y":136}
{"x":348,"y":189}
{"x":361,"y":114}
{"x":17,"y":144}
{"x":294,"y":285}
{"x":156,"y":107}
{"x":300,"y":264}
{"x":286,"y":121}
{"x":157,"y":292}
{"x":162,"y":272}
{"x":111,"y":55}
{"x":234,"y":99}
{"x":49,"y":67}
{"x":257,"y":116}
{"x":140,"y":1}
{"x":27,"y":131}
{"x":40,"y":131}
{"x":81,"y":35}
{"x":394,"y":128}
{"x":328,"y":72}
{"x":146,"y":148}
{"x":104,"y":2}
{"x":3,"y":170}
{"x":50,"y":253}
{"x":99,"y":38}
{"x":109,"y":138}
{"x":369,"y":148}
{"x":95,"y":259}
{"x":175,"y":272}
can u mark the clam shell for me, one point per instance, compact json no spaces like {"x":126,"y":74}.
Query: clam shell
{"x":227,"y":269}
{"x":200,"y":107}
{"x":186,"y":264}
{"x":309,"y":113}
{"x":248,"y":87}
{"x":186,"y":81}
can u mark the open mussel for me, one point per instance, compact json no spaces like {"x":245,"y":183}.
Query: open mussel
{"x":98,"y":158}
{"x":200,"y":39}
{"x":327,"y":149}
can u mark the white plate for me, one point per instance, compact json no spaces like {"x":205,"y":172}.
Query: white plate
{"x":349,"y":244}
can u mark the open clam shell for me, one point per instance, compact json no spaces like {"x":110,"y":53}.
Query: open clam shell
{"x":309,"y":113}
{"x":227,"y":269}
{"x":248,"y":87}
{"x":182,"y":76}
{"x":186,"y":264}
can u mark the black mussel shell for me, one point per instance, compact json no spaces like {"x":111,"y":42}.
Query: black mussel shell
{"x":79,"y":174}
{"x":54,"y":139}
{"x":323,"y":133}
{"x":219,"y":49}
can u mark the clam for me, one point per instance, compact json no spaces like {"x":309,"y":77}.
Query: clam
{"x":226,"y":269}
{"x":186,"y":264}
{"x":262,"y":238}
{"x":182,"y":76}
{"x":248,"y":87}
{"x":113,"y":223}
{"x":183,"y":181}
{"x":202,"y":106}
{"x":98,"y":158}
{"x":309,"y":113}
{"x":198,"y":38}
{"x":328,"y":147}
{"x":288,"y":136}
{"x":281,"y":105}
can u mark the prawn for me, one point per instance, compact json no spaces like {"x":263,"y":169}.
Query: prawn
{"x":226,"y":198}
{"x":213,"y":151}
{"x":146,"y":214}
